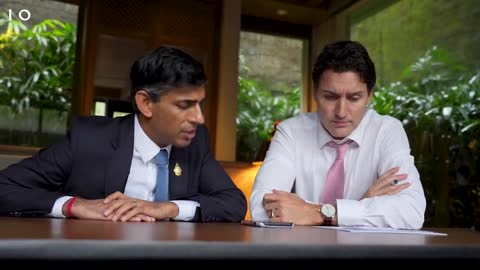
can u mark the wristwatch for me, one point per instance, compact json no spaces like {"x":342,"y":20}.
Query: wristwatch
{"x":328,"y":212}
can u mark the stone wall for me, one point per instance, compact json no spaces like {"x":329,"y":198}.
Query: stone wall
{"x":275,"y":61}
{"x":401,"y":33}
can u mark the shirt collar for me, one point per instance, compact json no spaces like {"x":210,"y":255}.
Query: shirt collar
{"x":144,"y":146}
{"x":357,"y":134}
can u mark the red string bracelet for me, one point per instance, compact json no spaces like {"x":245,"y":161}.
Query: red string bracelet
{"x":69,"y":206}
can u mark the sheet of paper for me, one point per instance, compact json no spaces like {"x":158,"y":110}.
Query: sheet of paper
{"x":379,"y":230}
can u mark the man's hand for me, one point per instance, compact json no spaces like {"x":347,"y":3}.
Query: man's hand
{"x":121,"y":207}
{"x":291,"y":208}
{"x":385,"y":184}
{"x":87,"y":209}
{"x":95,"y":209}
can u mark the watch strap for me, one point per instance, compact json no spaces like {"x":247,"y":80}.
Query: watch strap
{"x":328,"y":221}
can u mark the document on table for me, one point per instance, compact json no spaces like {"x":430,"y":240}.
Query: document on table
{"x":366,"y":229}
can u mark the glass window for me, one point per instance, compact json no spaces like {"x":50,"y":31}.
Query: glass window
{"x":402,"y":33}
{"x":270,"y":86}
{"x":427,"y":58}
{"x":37,"y":56}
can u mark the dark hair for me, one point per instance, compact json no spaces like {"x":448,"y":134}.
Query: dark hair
{"x":343,"y":56}
{"x":162,"y":70}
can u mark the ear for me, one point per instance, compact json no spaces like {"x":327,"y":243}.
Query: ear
{"x":315,"y":94}
{"x":370,"y":97}
{"x":144,"y":103}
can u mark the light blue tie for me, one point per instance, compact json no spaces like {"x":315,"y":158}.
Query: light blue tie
{"x":161,"y":191}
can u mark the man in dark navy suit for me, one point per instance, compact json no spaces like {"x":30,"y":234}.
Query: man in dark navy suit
{"x":112,"y":169}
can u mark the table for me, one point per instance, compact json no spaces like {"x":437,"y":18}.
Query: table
{"x":47,"y":240}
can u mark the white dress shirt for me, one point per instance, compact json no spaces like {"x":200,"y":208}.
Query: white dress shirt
{"x":142,"y":178}
{"x":298,"y":154}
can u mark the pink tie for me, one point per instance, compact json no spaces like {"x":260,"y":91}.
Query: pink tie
{"x":336,"y":175}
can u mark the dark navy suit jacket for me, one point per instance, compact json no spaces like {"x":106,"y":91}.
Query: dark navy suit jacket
{"x":93,"y":161}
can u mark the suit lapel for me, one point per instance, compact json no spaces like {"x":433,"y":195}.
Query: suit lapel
{"x":178,"y":173}
{"x":118,"y":167}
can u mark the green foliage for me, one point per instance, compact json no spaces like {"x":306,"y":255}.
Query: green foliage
{"x":258,"y":110}
{"x":36,"y":64}
{"x":438,"y":101}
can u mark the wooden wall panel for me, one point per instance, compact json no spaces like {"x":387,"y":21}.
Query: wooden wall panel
{"x":188,"y":24}
{"x":193,"y":26}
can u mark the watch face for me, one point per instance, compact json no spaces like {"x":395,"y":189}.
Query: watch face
{"x":328,"y":210}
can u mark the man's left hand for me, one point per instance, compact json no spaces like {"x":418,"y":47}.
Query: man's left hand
{"x":125,"y":208}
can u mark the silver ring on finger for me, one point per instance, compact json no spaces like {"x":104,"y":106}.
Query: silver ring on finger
{"x":394,"y":182}
{"x":272,"y":214}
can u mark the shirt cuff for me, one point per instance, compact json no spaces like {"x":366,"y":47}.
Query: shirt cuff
{"x":349,"y":213}
{"x":186,"y":210}
{"x":57,"y":207}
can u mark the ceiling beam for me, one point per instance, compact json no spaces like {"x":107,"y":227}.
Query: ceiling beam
{"x":294,"y":13}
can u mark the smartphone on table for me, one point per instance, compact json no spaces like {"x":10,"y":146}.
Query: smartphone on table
{"x":268,"y":223}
